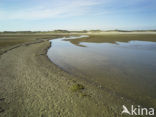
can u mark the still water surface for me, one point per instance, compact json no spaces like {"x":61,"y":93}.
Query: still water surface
{"x":127,"y":67}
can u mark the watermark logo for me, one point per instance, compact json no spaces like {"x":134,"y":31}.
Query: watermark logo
{"x":137,"y":110}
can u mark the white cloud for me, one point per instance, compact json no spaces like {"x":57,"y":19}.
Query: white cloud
{"x":42,"y":11}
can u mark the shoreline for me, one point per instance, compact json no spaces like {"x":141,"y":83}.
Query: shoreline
{"x":34,"y":86}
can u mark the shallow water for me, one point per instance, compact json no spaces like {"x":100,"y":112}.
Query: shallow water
{"x":127,"y":67}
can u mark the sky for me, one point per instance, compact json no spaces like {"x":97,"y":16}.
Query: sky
{"x":46,"y":15}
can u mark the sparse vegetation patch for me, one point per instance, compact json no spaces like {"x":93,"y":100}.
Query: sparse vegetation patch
{"x":77,"y":87}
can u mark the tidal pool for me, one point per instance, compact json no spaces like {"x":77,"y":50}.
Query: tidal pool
{"x":124,"y":64}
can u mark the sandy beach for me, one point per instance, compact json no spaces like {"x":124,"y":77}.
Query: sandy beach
{"x":32,"y":86}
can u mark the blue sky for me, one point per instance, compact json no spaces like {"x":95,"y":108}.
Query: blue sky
{"x":19,"y":15}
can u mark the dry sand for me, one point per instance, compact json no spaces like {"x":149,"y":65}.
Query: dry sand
{"x":32,"y":86}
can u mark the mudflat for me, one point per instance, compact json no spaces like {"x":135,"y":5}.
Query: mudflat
{"x":32,"y":86}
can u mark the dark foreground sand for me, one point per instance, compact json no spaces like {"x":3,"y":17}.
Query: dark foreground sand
{"x":32,"y":86}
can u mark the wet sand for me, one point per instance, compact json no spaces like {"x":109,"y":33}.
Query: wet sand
{"x":32,"y":86}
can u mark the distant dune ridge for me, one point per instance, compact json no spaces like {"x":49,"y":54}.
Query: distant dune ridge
{"x":81,"y":31}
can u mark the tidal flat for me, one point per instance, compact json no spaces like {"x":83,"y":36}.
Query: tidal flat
{"x":33,"y":86}
{"x":124,"y":63}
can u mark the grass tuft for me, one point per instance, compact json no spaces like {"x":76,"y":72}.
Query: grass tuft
{"x":77,"y":87}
